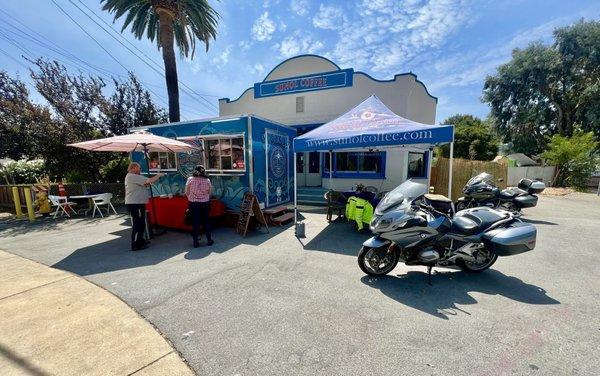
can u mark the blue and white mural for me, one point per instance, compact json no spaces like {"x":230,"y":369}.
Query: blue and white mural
{"x":271,"y":187}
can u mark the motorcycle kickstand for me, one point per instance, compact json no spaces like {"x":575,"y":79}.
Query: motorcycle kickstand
{"x":429,"y":275}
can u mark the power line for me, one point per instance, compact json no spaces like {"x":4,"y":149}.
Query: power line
{"x":68,"y":55}
{"x":140,"y":51}
{"x":75,"y":61}
{"x":89,"y":35}
{"x":94,"y":39}
{"x":13,"y":59}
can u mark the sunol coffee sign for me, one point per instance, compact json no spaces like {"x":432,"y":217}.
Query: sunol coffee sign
{"x":321,"y":81}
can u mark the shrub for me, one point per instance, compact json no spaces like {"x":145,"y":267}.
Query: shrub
{"x":575,"y":159}
{"x":23,"y":171}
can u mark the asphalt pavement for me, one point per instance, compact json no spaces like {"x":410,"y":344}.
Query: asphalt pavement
{"x":269,"y":304}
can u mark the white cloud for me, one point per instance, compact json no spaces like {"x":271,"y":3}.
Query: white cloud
{"x":300,"y":7}
{"x":383,"y":35}
{"x":263,"y":28}
{"x":223,"y":57}
{"x":298,"y":44}
{"x":470,"y":68}
{"x":258,"y":69}
{"x":328,"y":17}
{"x":245,"y":45}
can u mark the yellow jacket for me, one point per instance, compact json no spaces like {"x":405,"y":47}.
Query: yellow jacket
{"x":359,"y":210}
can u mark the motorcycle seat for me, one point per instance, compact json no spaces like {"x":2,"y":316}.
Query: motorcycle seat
{"x":463,"y":225}
{"x":475,"y":220}
{"x":510,"y":193}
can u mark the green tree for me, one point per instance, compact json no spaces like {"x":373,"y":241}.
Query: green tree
{"x":76,"y":102}
{"x":548,"y":89}
{"x":473,"y":138}
{"x":575,"y":158}
{"x":17,"y":115}
{"x":168,"y":22}
{"x":130,"y":106}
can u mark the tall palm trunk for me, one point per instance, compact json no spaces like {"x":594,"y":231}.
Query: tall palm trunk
{"x":165,"y":18}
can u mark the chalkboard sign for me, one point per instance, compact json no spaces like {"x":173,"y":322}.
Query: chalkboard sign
{"x":250,"y":206}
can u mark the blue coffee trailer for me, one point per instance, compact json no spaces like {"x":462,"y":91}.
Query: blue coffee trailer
{"x":240,"y":153}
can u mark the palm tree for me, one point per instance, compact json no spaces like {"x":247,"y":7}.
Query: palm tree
{"x":168,"y":21}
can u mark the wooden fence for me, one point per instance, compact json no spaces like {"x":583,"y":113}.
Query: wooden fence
{"x":462,"y":171}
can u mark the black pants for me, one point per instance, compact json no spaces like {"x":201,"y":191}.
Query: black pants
{"x":138,"y":216}
{"x":200,"y":216}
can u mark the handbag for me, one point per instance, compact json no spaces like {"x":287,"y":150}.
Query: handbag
{"x":187,"y":217}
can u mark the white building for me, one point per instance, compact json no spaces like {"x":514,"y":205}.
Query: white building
{"x":308,"y":90}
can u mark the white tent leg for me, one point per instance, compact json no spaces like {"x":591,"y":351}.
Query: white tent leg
{"x":330,"y":169}
{"x":450,"y":170}
{"x":295,"y":193}
{"x":429,"y":160}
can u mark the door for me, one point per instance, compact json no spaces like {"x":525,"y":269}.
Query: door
{"x":277,"y":171}
{"x":309,"y":169}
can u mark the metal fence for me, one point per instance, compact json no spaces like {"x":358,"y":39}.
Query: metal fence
{"x":117,"y":189}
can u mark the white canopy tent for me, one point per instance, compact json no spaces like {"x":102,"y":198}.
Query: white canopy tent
{"x":372,"y":126}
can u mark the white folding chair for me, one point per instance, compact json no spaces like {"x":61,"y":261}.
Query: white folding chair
{"x":101,"y":200}
{"x":62,"y":205}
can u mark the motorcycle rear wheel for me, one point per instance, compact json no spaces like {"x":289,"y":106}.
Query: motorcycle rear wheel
{"x":377,"y":261}
{"x":478,"y":267}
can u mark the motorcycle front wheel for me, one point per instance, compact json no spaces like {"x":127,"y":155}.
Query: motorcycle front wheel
{"x":377,"y":261}
{"x":461,"y":205}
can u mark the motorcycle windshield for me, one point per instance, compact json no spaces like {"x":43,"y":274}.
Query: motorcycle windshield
{"x":483,"y":177}
{"x":405,"y":192}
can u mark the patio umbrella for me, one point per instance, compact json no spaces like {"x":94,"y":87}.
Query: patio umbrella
{"x":137,"y":141}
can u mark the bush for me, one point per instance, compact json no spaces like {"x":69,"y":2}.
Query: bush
{"x":575,"y":159}
{"x":115,"y":170}
{"x":23,"y":171}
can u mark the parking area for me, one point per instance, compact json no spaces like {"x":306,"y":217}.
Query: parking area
{"x":269,"y":304}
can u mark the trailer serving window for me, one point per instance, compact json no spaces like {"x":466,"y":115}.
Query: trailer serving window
{"x":162,"y":161}
{"x":224,"y":153}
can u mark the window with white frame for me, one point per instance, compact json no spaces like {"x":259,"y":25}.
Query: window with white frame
{"x":162,"y":161}
{"x":225,"y":153}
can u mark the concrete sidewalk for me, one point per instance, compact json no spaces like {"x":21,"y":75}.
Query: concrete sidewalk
{"x":56,"y":323}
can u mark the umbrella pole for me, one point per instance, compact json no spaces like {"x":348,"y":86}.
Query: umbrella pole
{"x":153,"y":219}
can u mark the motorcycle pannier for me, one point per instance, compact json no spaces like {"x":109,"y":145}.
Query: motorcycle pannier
{"x":531,"y":186}
{"x":517,"y":238}
{"x":526,"y":201}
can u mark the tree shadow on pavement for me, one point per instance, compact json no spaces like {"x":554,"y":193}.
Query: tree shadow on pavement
{"x":115,"y":254}
{"x":451,"y":288}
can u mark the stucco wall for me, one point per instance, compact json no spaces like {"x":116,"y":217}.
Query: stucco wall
{"x":404,"y":95}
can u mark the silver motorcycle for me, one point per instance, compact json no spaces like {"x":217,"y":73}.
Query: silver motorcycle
{"x":421,"y":229}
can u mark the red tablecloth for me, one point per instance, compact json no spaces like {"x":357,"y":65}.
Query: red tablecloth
{"x":171,"y":211}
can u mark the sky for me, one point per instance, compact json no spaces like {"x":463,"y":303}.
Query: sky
{"x":451,"y":45}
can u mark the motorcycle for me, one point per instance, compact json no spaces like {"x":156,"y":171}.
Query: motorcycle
{"x":482,"y":191}
{"x":411,"y":227}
